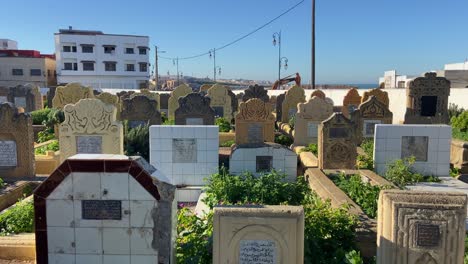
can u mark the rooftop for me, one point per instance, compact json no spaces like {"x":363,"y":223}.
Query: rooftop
{"x":71,"y":31}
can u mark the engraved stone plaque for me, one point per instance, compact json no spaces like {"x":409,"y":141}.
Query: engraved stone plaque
{"x":257,"y":251}
{"x":255,"y":133}
{"x":3,"y":99}
{"x":219,"y":111}
{"x":136,"y":123}
{"x":101,"y":210}
{"x":416,"y":146}
{"x":292,"y":113}
{"x":312,"y":129}
{"x":89,"y":144}
{"x":427,"y":235}
{"x":20,"y":102}
{"x":369,"y":127}
{"x":338,"y":132}
{"x":264,"y":163}
{"x":194,"y":121}
{"x":184,"y":150}
{"x":8,"y":156}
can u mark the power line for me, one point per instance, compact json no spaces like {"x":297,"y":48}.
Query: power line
{"x":241,"y":38}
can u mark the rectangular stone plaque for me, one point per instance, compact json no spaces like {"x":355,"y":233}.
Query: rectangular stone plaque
{"x":89,"y":144}
{"x":184,"y":150}
{"x":427,"y":235}
{"x":101,"y":210}
{"x":194,"y":121}
{"x":257,"y":251}
{"x":338,"y":132}
{"x":312,"y":129}
{"x":416,"y":146}
{"x":292,"y":113}
{"x":219,"y":111}
{"x":369,"y":127}
{"x":3,"y":99}
{"x":20,"y":102}
{"x":8,"y":156}
{"x":255,"y":133}
{"x":264,"y":163}
{"x":136,"y":123}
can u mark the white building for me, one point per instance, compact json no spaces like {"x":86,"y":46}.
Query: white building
{"x":8,"y":44}
{"x":456,"y":73}
{"x":392,"y":80}
{"x":100,"y":60}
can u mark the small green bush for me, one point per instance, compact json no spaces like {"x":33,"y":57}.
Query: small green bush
{"x":400,"y":172}
{"x":2,"y":183}
{"x":223,"y":123}
{"x":454,"y":110}
{"x":18,"y":219}
{"x":227,"y":143}
{"x":39,"y":117}
{"x":136,"y":141}
{"x":312,"y":147}
{"x":460,"y":122}
{"x":169,"y":122}
{"x":292,"y":122}
{"x":283,"y":140}
{"x":53,"y":146}
{"x":456,"y":133}
{"x":366,"y":161}
{"x":454,"y":172}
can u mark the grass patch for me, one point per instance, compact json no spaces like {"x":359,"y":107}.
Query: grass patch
{"x":18,"y":219}
{"x":228,"y":143}
{"x":458,"y":134}
{"x":53,"y":146}
{"x":312,"y":147}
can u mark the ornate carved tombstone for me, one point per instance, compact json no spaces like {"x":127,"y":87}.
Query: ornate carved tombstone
{"x":416,"y":227}
{"x":427,"y":100}
{"x":90,"y":126}
{"x":381,"y":95}
{"x":173,"y":102}
{"x":351,"y":101}
{"x":308,"y":118}
{"x":279,"y":107}
{"x":369,"y":114}
{"x":256,"y":91}
{"x":255,"y":123}
{"x":16,"y":143}
{"x":220,"y":101}
{"x":70,"y":94}
{"x":140,"y":110}
{"x":26,"y":96}
{"x":337,"y":143}
{"x":293,"y":96}
{"x":318,"y":93}
{"x":194,"y":109}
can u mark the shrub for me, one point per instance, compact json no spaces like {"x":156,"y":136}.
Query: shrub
{"x":2,"y":183}
{"x":292,"y":122}
{"x":283,"y":140}
{"x":454,"y":172}
{"x":39,"y":117}
{"x":223,"y":123}
{"x":312,"y":147}
{"x":400,"y":172}
{"x":136,"y":141}
{"x":227,"y":143}
{"x":460,"y":122}
{"x":366,"y":161}
{"x":456,"y":133}
{"x":18,"y":219}
{"x":53,"y":146}
{"x":454,"y":110}
{"x":169,"y":122}
{"x":54,"y":117}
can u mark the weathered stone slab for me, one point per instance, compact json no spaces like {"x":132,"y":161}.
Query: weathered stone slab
{"x":292,"y":98}
{"x":71,"y":94}
{"x":308,"y":117}
{"x":194,"y":109}
{"x":351,"y":102}
{"x":254,"y":116}
{"x":141,"y":108}
{"x":221,"y":101}
{"x":173,"y":101}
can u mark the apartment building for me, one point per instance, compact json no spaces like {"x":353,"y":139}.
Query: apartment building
{"x":8,"y":44}
{"x":102,"y":61}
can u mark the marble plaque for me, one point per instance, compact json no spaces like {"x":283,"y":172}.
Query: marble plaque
{"x":416,"y":146}
{"x":101,"y":210}
{"x":257,"y":252}
{"x":184,"y":150}
{"x":219,"y":111}
{"x":338,"y":132}
{"x":20,"y":102}
{"x":136,"y":123}
{"x":312,"y":129}
{"x":3,"y":99}
{"x":89,"y":144}
{"x":369,"y":127}
{"x":8,"y":156}
{"x":264,"y":163}
{"x":427,"y":235}
{"x":255,"y":133}
{"x":292,"y":112}
{"x":194,"y":121}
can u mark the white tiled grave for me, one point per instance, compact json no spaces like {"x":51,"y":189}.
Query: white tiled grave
{"x":261,"y":159}
{"x":430,"y":144}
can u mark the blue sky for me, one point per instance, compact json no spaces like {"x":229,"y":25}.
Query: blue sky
{"x":356,"y":40}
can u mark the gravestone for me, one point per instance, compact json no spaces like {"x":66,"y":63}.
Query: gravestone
{"x":337,"y":143}
{"x":205,"y":87}
{"x":164,"y":98}
{"x":104,"y":209}
{"x":90,"y":126}
{"x":4,"y":91}
{"x":421,"y":227}
{"x":26,"y":96}
{"x":234,"y":103}
{"x":140,"y":109}
{"x":369,"y":114}
{"x":427,"y":100}
{"x":256,"y":91}
{"x":221,"y":101}
{"x":381,"y":96}
{"x":279,"y":107}
{"x":292,"y":97}
{"x":258,"y":234}
{"x":318,"y":93}
{"x":70,"y":94}
{"x":125,"y":94}
{"x":109,"y":98}
{"x":194,"y":109}
{"x":308,"y":117}
{"x":351,"y":102}
{"x":149,"y":94}
{"x":173,"y":101}
{"x":255,"y":123}
{"x":50,"y":95}
{"x":16,"y":143}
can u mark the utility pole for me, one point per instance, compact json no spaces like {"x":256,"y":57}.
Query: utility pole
{"x":213,"y":54}
{"x":313,"y":45}
{"x":156,"y":76}
{"x":280,"y":59}
{"x":177,"y":63}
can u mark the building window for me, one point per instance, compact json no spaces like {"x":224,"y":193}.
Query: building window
{"x":69,"y":48}
{"x":142,"y":51}
{"x":70,"y":66}
{"x":109,"y":49}
{"x":129,"y":51}
{"x":87,"y":49}
{"x":130,"y":67}
{"x":110,"y":65}
{"x":143,"y":66}
{"x":17,"y":72}
{"x":35,"y":72}
{"x":88,"y":66}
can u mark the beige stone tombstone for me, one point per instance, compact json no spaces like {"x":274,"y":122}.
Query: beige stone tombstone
{"x":26,"y":96}
{"x":221,"y":101}
{"x":90,"y":127}
{"x":318,"y":93}
{"x":381,"y":95}
{"x":337,"y":143}
{"x":260,"y":234}
{"x":292,"y":97}
{"x":173,"y":102}
{"x":109,"y":98}
{"x":38,"y":100}
{"x":205,"y":87}
{"x":16,"y":143}
{"x":255,"y":123}
{"x":421,"y":227}
{"x":351,"y":101}
{"x":70,"y":94}
{"x":308,"y":118}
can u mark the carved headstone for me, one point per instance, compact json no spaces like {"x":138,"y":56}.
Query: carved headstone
{"x":173,"y":102}
{"x":90,"y":126}
{"x":71,"y":94}
{"x":109,"y":98}
{"x":337,"y":143}
{"x":256,"y":91}
{"x":318,"y":93}
{"x":142,"y":109}
{"x":427,"y":100}
{"x":255,"y":123}
{"x":194,"y":109}
{"x":417,"y":227}
{"x":150,"y":95}
{"x":381,"y":95}
{"x":308,"y":118}
{"x":220,"y":99}
{"x":16,"y":143}
{"x":293,"y":96}
{"x":279,"y":107}
{"x":26,"y":96}
{"x":205,"y":87}
{"x":351,"y":102}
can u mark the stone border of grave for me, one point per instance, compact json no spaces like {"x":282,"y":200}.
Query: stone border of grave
{"x":18,"y":247}
{"x":307,"y":160}
{"x":14,"y":191}
{"x":459,"y":155}
{"x":46,"y":164}
{"x":226,"y":136}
